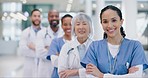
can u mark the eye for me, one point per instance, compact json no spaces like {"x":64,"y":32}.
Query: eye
{"x":56,"y":16}
{"x":114,"y":20}
{"x":105,"y":21}
{"x":51,"y":16}
{"x":84,"y":23}
{"x":39,"y":16}
{"x":65,"y":24}
{"x":77,"y":23}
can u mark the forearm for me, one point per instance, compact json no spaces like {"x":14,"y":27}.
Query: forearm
{"x":131,"y":75}
{"x":83,"y":74}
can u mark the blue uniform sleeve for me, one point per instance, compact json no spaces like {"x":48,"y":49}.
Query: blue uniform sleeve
{"x":90,"y":56}
{"x":139,"y":56}
{"x":53,"y":48}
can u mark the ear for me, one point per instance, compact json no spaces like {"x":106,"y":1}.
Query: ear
{"x":122,"y":21}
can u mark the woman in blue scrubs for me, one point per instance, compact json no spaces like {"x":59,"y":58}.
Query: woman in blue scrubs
{"x":114,"y":55}
{"x":57,"y":43}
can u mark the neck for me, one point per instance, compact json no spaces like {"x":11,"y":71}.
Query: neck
{"x":67,"y":37}
{"x":36,"y":27}
{"x":115,"y":40}
{"x":82,"y":40}
{"x":55,"y":29}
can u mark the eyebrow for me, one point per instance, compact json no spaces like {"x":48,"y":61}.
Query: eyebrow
{"x":114,"y":18}
{"x":111,"y":18}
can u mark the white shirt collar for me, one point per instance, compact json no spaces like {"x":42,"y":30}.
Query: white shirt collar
{"x":76,"y":43}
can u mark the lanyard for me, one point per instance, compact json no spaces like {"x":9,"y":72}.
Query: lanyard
{"x":112,"y":67}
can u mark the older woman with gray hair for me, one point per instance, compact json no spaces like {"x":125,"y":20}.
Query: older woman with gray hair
{"x":72,"y":53}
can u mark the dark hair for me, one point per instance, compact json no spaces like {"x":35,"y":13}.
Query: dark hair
{"x":67,"y":15}
{"x":119,"y":14}
{"x":35,"y":10}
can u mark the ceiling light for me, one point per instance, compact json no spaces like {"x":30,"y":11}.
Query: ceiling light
{"x":68,"y":7}
{"x":70,"y":1}
{"x":141,"y":5}
{"x":5,"y":14}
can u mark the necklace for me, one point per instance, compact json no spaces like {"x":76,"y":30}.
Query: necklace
{"x":112,"y":67}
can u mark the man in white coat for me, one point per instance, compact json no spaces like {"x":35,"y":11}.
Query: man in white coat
{"x":44,"y":39}
{"x":27,"y":44}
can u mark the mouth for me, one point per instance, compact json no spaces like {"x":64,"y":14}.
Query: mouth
{"x":111,"y":30}
{"x":36,"y":22}
{"x":81,"y":31}
{"x":68,"y":31}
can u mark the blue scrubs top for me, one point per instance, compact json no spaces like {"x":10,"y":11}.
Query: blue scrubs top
{"x":55,"y":47}
{"x":131,"y":53}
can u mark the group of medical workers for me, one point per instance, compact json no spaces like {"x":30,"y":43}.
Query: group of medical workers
{"x":71,"y":52}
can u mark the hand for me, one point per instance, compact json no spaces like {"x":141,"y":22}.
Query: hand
{"x":57,"y":54}
{"x":67,"y":73}
{"x":133,"y":69}
{"x":92,"y":69}
{"x":31,"y":45}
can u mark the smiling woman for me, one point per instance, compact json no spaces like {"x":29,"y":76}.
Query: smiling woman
{"x":72,"y":52}
{"x":125,"y":57}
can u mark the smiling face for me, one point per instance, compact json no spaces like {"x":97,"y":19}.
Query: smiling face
{"x":111,"y":23}
{"x":66,"y":25}
{"x":81,"y":28}
{"x":53,"y":18}
{"x":36,"y":18}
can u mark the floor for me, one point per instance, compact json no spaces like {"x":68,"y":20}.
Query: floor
{"x":12,"y":66}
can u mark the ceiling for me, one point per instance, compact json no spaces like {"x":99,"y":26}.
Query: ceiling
{"x":77,"y":5}
{"x":58,"y":4}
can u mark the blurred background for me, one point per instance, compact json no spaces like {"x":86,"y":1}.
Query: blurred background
{"x":14,"y":17}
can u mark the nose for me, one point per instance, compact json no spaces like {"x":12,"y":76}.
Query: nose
{"x":54,"y":18}
{"x":110,"y":24}
{"x":38,"y":17}
{"x":69,"y":26}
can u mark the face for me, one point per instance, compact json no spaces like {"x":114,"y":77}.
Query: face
{"x":53,"y":18}
{"x":81,"y":29}
{"x":36,"y":18}
{"x":66,"y":25}
{"x":111,"y":23}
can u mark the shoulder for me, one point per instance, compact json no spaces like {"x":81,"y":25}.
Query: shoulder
{"x":42,"y":32}
{"x":132,"y":42}
{"x":58,"y":39}
{"x":68,"y":45}
{"x":98,"y":42}
{"x":26,"y":31}
{"x":65,"y":48}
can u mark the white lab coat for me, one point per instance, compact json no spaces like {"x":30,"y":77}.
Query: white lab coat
{"x":44,"y":38}
{"x":69,"y":58}
{"x":30,"y":60}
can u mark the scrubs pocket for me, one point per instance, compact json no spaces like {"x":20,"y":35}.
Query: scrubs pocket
{"x":122,"y":69}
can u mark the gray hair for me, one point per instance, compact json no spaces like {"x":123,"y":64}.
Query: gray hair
{"x":83,"y":17}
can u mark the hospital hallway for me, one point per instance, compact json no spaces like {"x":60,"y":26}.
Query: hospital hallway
{"x":15,"y":16}
{"x":12,"y":66}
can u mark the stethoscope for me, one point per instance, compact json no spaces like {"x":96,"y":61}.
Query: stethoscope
{"x":69,"y":51}
{"x":112,"y":67}
{"x":47,"y":34}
